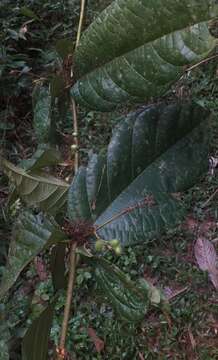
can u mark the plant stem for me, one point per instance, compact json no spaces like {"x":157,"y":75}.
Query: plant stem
{"x":73,"y":104}
{"x":82,"y":11}
{"x":210,"y":198}
{"x":75,"y":134}
{"x":73,"y":257}
{"x":201,"y":62}
{"x":71,"y":280}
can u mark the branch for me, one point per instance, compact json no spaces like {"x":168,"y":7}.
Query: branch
{"x":67,"y":308}
{"x":82,"y":11}
{"x":202,"y":62}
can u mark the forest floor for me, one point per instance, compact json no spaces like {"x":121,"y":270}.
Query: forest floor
{"x":190,"y":330}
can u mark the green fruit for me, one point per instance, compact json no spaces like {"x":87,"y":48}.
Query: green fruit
{"x":99,"y":245}
{"x":118,"y":250}
{"x":114,"y":243}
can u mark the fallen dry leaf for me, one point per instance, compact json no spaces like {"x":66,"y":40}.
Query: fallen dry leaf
{"x":214,"y":279}
{"x":141,"y":357}
{"x":205,"y":254}
{"x":172,"y":293}
{"x":99,"y":344}
{"x":192,"y":339}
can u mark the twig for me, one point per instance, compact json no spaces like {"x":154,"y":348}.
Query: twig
{"x":67,"y":308}
{"x":73,"y":104}
{"x":82,"y":11}
{"x":202,"y":62}
{"x":210,"y":198}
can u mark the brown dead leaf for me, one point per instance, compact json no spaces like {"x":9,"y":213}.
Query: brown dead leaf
{"x":99,"y":344}
{"x":205,"y":254}
{"x":192,"y":339}
{"x":171,"y":293}
{"x":214,"y":279}
{"x":141,"y":357}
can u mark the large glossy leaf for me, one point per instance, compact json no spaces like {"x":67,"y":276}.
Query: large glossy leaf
{"x":37,"y":189}
{"x":130,"y":301}
{"x":127,"y":24}
{"x":35,"y":342}
{"x":32,"y":234}
{"x":144,"y":73}
{"x":136,"y":49}
{"x":153,"y":152}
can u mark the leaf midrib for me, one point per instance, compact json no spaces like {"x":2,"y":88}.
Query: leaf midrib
{"x":45,"y":179}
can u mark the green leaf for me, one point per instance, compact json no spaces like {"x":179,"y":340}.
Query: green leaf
{"x":127,"y":24}
{"x":43,"y":157}
{"x":129,"y":300}
{"x":139,"y":223}
{"x":144,"y":73}
{"x":58,"y":266}
{"x":42,"y":113}
{"x":156,"y":151}
{"x":57,"y":86}
{"x":136,"y":50}
{"x":64,"y":47}
{"x":28,"y":12}
{"x":35,"y":342}
{"x":78,"y":206}
{"x":37,"y":189}
{"x":32,"y":234}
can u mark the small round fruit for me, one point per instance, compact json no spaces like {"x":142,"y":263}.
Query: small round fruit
{"x":99,"y":245}
{"x":74,"y":147}
{"x":118,"y":250}
{"x":114,"y":243}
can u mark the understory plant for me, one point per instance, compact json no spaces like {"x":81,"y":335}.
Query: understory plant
{"x":132,"y":53}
